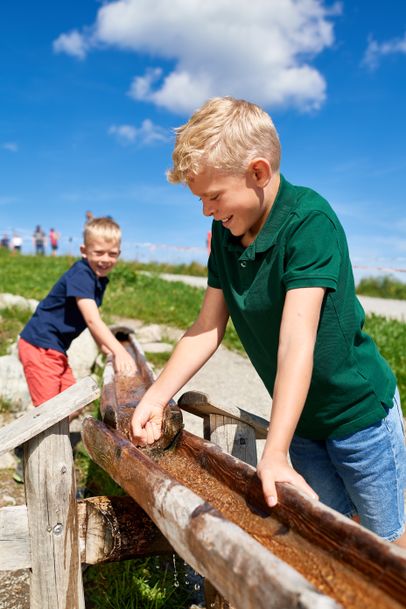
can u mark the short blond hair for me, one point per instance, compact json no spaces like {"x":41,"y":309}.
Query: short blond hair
{"x":225,"y":134}
{"x":102,"y":228}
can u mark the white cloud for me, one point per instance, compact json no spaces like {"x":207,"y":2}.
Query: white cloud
{"x":147,"y":133}
{"x":260,"y":50}
{"x":10,"y":146}
{"x":74,"y":43}
{"x":376,"y":51}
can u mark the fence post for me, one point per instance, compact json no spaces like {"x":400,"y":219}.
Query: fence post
{"x":50,"y":488}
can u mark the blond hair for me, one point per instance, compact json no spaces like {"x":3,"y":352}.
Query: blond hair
{"x":102,"y":228}
{"x":225,"y":134}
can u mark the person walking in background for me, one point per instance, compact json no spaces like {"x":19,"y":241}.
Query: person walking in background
{"x":16,"y":242}
{"x":89,"y":216}
{"x":5,"y":242}
{"x":39,"y":240}
{"x":53,"y":240}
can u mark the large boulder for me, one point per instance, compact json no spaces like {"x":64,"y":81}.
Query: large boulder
{"x":13,"y":386}
{"x":12,"y":300}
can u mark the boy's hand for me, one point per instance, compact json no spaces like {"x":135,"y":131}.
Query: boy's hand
{"x":146,"y":423}
{"x":123,"y":362}
{"x":276,"y":468}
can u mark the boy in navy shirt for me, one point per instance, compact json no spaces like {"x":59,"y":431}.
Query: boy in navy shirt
{"x":70,"y":307}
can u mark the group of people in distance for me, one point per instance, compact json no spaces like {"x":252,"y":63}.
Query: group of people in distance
{"x":279,"y":267}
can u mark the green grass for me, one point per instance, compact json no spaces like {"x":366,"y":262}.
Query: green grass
{"x":390,"y":336}
{"x":382,"y":287}
{"x":12,"y":321}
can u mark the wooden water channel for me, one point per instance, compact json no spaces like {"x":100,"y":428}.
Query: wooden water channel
{"x":209,"y":506}
{"x":185,"y":494}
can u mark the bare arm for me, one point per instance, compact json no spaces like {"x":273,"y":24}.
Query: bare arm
{"x":297,"y":339}
{"x":193,"y":350}
{"x":123,"y":362}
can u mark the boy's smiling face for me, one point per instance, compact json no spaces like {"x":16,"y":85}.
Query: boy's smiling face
{"x":101,"y":255}
{"x":240,"y":202}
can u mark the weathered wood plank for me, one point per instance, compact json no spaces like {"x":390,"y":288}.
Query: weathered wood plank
{"x":198,"y":403}
{"x":56,"y":575}
{"x":15,"y":547}
{"x":240,"y":568}
{"x":41,"y":418}
{"x":110,"y":529}
{"x":234,"y":437}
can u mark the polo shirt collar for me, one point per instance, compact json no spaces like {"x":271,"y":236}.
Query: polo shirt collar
{"x":285,"y":202}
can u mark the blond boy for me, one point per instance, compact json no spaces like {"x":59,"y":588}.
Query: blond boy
{"x":70,"y":307}
{"x":279,"y":266}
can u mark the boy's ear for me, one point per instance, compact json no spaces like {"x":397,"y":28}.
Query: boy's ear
{"x":83,"y":251}
{"x":261,"y":171}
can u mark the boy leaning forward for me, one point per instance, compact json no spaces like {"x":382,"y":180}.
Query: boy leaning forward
{"x":71,"y":306}
{"x":279,"y":266}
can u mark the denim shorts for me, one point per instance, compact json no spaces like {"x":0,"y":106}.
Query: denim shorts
{"x":363,"y":473}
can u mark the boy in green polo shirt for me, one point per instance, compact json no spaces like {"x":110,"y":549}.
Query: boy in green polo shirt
{"x":279,"y":266}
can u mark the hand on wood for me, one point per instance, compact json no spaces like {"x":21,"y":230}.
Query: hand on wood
{"x":274,"y":468}
{"x":146,"y":423}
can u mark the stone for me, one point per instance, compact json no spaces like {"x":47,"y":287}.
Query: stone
{"x":13,"y":386}
{"x":82,"y":354}
{"x":157,"y":347}
{"x":12,"y":300}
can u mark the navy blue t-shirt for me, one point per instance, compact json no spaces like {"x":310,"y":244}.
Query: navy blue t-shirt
{"x":57,"y":319}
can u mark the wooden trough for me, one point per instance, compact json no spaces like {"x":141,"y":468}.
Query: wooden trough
{"x":209,"y":506}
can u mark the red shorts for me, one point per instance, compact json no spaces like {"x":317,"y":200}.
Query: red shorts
{"x":47,"y":371}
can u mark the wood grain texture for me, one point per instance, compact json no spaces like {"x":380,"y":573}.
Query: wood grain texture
{"x":240,"y":568}
{"x":54,"y":410}
{"x":56,"y":576}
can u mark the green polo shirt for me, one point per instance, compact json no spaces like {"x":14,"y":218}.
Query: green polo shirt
{"x":302,"y":244}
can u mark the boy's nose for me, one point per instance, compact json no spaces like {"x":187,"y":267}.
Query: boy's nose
{"x":208,"y":208}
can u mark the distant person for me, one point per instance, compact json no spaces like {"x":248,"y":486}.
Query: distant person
{"x":16,"y":242}
{"x":53,"y":241}
{"x":5,"y":242}
{"x":39,"y":239}
{"x":88,"y":217}
{"x":280,"y":267}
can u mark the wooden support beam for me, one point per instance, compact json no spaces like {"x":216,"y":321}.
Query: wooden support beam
{"x":110,"y":529}
{"x":241,"y":569}
{"x":50,"y":490}
{"x":117,"y":528}
{"x":48,"y":414}
{"x":15,"y":547}
{"x":198,"y":403}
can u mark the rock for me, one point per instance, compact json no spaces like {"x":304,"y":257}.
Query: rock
{"x":8,"y":460}
{"x":12,"y":300}
{"x":82,"y":354}
{"x":13,"y":386}
{"x":149,"y":334}
{"x":157,"y":347}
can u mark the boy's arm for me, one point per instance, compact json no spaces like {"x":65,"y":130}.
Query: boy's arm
{"x":297,"y":339}
{"x":123,"y":362}
{"x":193,"y":350}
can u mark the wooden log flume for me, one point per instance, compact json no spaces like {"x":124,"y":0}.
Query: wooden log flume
{"x":210,"y":507}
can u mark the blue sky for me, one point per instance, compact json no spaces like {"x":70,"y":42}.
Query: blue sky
{"x":91,"y":91}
